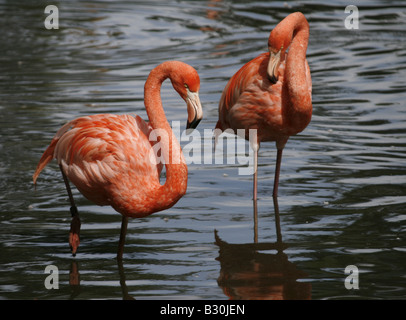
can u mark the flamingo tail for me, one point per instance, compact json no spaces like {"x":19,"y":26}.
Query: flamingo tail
{"x":49,"y":152}
{"x":45,"y":159}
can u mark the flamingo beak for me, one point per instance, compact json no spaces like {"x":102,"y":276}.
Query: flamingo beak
{"x":273,"y":66}
{"x":194,"y":109}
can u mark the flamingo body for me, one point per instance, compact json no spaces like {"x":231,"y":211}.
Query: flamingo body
{"x":250,"y":101}
{"x":107,"y":157}
{"x":272,"y":92}
{"x":113,"y":159}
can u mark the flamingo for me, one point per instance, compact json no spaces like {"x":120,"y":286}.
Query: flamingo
{"x":116,"y":160}
{"x":271,"y":93}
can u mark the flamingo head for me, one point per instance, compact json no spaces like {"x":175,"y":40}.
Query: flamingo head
{"x":186,"y":82}
{"x":280,"y":39}
{"x":277,"y":45}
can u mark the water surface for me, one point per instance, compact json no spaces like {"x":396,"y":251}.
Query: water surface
{"x":342,"y":192}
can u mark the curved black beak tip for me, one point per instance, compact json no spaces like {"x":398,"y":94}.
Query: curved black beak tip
{"x":192,"y":125}
{"x":272,"y":78}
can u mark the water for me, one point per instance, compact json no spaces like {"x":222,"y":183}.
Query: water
{"x":342,"y":195}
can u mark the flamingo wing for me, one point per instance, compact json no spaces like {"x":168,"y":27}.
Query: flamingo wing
{"x":240,"y":81}
{"x":251,"y":101}
{"x":102,"y":152}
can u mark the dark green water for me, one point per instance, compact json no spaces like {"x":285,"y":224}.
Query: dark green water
{"x":342,"y":193}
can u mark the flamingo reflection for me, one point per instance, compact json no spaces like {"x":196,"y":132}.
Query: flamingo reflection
{"x":74,"y":280}
{"x":250,"y":272}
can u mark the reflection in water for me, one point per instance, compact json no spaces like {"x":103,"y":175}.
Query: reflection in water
{"x":123,"y":284}
{"x":249,"y":272}
{"x":74,"y":280}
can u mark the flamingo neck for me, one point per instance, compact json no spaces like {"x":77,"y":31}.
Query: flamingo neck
{"x":176,"y":170}
{"x":296,"y":90}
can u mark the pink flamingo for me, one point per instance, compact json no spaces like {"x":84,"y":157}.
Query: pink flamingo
{"x":111,"y":159}
{"x":271,"y":93}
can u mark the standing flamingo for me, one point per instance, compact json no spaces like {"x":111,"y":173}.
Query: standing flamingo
{"x":111,"y":159}
{"x":271,"y":93}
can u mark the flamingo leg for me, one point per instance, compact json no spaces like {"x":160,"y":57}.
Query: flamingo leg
{"x":277,"y":221}
{"x":255,"y":221}
{"x":277,"y":172}
{"x":74,"y":232}
{"x":123,"y":233}
{"x":255,"y":173}
{"x":255,"y":147}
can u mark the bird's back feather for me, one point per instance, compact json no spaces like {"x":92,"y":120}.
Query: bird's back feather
{"x":109,"y":158}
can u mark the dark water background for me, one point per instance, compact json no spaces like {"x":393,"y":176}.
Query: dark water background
{"x":342,"y":193}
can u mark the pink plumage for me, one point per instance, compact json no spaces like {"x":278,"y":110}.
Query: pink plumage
{"x":272,"y":93}
{"x":112,"y":159}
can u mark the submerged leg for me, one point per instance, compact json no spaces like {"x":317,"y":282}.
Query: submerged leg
{"x":255,"y":221}
{"x":123,"y":232}
{"x":277,"y":221}
{"x":277,"y":172}
{"x":74,"y":239}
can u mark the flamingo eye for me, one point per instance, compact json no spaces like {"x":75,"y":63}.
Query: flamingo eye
{"x":186,"y":86}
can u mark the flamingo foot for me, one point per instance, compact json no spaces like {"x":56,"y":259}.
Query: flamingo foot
{"x":74,"y":239}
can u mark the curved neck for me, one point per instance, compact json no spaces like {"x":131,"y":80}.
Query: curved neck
{"x":296,"y":90}
{"x":171,"y":153}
